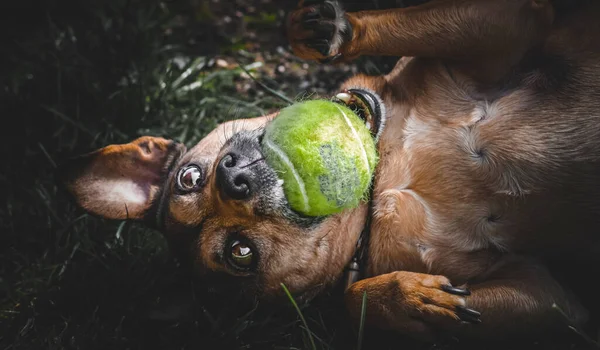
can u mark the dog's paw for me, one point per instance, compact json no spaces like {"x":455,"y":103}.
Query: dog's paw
{"x":410,"y":302}
{"x":317,"y":30}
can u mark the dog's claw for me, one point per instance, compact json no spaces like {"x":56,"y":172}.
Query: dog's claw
{"x":323,"y":49}
{"x":310,"y":23}
{"x":331,"y":58}
{"x":455,"y":291}
{"x":317,"y":23}
{"x":328,"y":10}
{"x":318,"y":42}
{"x":321,"y":45}
{"x":310,"y":16}
{"x":469,"y":311}
{"x":311,"y":2}
{"x":325,"y":29}
{"x":468,"y":315}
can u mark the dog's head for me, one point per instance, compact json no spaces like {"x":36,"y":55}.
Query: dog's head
{"x":221,"y":206}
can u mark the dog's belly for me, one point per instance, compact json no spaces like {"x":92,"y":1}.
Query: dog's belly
{"x":462,"y":181}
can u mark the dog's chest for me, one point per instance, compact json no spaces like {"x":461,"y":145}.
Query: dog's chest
{"x":434,"y":207}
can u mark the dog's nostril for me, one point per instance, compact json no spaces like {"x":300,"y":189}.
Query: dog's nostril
{"x":241,"y":188}
{"x":240,"y":181}
{"x":237,"y":186}
{"x":235,"y":181}
{"x":228,"y":161}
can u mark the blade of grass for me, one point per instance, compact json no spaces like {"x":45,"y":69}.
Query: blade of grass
{"x":47,"y":155}
{"x":363,"y":313}
{"x":47,"y":201}
{"x":67,"y":119}
{"x":266,"y":88}
{"x":289,"y":295}
{"x":573,"y":328}
{"x":118,"y":235}
{"x":194,"y":66}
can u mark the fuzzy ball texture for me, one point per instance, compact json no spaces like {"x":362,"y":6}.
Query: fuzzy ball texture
{"x":324,"y":154}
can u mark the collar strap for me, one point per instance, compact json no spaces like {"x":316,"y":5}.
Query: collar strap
{"x":356,"y":268}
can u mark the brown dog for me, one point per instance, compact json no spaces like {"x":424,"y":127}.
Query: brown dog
{"x":490,"y":159}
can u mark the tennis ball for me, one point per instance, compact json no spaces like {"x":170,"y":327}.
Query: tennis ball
{"x":324,"y":154}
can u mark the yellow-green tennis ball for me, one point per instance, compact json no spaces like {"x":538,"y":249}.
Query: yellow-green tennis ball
{"x":324,"y":154}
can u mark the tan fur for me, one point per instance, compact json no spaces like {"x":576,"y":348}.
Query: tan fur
{"x":490,"y":158}
{"x":405,"y":301}
{"x":470,"y":177}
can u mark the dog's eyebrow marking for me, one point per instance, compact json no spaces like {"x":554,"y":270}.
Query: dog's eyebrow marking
{"x":355,"y":134}
{"x":290,"y":166}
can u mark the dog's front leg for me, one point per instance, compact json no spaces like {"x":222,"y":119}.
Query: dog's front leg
{"x":517,"y":297}
{"x":470,"y":32}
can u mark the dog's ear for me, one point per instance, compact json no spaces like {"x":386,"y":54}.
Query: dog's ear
{"x":121,"y":181}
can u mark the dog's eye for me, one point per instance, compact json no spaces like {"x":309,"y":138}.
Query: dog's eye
{"x":241,"y":255}
{"x":189,"y":178}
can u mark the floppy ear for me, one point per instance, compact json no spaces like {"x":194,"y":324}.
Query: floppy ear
{"x":121,"y":181}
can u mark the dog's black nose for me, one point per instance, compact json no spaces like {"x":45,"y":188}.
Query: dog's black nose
{"x":235,"y":178}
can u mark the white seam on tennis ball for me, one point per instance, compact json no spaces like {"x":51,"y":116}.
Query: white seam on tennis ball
{"x":292,"y":168}
{"x":355,"y":133}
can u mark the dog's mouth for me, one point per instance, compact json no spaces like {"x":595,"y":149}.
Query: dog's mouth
{"x":260,"y":180}
{"x":367,"y":105}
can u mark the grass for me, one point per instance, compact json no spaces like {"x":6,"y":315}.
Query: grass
{"x":363,"y":315}
{"x":306,"y":328}
{"x":77,"y":75}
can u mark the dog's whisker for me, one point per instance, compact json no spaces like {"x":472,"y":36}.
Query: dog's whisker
{"x":223,"y":130}
{"x":235,"y":126}
{"x":230,"y":130}
{"x":238,"y":126}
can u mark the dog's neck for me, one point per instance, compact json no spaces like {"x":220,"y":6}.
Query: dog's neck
{"x":356,"y":268}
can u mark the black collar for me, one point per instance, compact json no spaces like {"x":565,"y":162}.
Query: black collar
{"x":356,"y":268}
